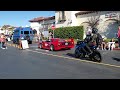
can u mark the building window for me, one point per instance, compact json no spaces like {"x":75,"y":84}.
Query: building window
{"x":16,"y":32}
{"x":26,"y":32}
{"x":62,"y":16}
{"x":53,"y":23}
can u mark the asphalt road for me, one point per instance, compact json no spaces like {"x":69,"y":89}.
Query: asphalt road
{"x":35,"y":63}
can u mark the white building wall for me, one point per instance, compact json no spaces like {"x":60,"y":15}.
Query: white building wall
{"x":35,"y":25}
{"x":63,"y":23}
{"x":38,"y":26}
{"x":2,"y":31}
{"x":74,"y":18}
{"x":47,"y":25}
{"x":107,"y":29}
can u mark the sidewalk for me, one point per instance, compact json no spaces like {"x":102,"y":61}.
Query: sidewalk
{"x":116,"y":49}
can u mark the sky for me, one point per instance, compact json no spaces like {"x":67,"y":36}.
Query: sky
{"x":21,"y":18}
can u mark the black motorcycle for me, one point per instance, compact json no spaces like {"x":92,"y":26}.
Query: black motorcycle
{"x":94,"y":56}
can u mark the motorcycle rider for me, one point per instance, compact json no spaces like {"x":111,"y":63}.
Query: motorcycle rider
{"x":91,"y":41}
{"x":88,"y":33}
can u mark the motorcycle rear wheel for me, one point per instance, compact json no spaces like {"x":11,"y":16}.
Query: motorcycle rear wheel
{"x":76,"y":54}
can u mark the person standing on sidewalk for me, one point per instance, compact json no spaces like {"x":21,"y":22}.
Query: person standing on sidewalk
{"x":39,"y":37}
{"x":3,"y":41}
{"x":118,"y":35}
{"x":50,"y":35}
{"x":0,"y":41}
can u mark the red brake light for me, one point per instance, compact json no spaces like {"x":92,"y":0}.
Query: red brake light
{"x":59,"y":44}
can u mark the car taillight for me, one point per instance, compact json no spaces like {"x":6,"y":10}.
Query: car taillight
{"x":59,"y":44}
{"x":66,"y":40}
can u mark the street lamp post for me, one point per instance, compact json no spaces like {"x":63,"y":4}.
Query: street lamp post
{"x":43,"y":27}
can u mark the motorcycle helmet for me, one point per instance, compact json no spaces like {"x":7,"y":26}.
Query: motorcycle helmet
{"x":94,"y":30}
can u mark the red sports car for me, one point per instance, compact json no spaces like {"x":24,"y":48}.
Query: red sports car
{"x":56,"y":44}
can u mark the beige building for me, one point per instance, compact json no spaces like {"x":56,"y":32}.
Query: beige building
{"x":42,"y":24}
{"x":107,"y":20}
{"x":65,"y":18}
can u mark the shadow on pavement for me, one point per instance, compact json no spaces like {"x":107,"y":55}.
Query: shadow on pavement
{"x":72,"y":55}
{"x":62,"y":50}
{"x":117,"y":59}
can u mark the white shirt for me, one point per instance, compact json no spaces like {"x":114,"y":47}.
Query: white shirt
{"x":89,"y":31}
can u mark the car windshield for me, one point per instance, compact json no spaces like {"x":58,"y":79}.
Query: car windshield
{"x":26,"y":32}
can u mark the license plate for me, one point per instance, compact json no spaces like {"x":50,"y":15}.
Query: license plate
{"x":66,"y":43}
{"x":46,"y":44}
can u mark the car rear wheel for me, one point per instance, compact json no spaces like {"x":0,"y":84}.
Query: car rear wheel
{"x":51,"y":48}
{"x":40,"y":46}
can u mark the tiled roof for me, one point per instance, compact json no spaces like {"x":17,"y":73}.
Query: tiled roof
{"x":41,"y":19}
{"x":84,"y":12}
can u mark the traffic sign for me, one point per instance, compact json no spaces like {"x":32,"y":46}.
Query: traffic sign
{"x":53,"y":27}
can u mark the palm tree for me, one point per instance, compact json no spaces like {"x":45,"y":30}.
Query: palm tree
{"x":93,"y":21}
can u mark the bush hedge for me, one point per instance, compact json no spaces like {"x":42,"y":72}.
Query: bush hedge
{"x":75,"y":32}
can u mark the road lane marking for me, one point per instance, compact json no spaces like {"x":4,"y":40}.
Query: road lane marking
{"x":104,"y":52}
{"x":105,"y":64}
{"x":72,"y":58}
{"x":33,"y":46}
{"x":42,"y":50}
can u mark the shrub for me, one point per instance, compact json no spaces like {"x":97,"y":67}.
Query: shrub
{"x":75,"y":32}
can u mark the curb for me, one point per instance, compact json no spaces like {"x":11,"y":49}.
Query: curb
{"x":14,"y":45}
{"x":116,"y":48}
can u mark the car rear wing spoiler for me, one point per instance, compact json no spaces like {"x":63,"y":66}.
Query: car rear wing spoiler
{"x":69,"y":40}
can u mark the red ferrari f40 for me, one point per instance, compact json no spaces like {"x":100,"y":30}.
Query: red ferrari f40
{"x":56,"y":44}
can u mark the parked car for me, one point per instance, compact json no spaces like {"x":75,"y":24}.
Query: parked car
{"x":56,"y":44}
